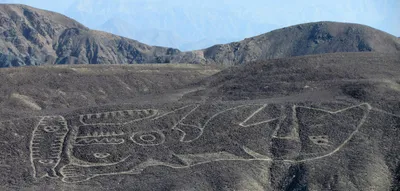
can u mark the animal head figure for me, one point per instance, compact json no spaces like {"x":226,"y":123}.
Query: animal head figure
{"x":323,"y":132}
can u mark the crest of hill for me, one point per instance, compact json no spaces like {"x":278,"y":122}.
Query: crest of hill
{"x":304,"y":39}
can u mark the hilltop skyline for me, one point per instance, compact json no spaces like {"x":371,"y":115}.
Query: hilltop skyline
{"x":200,"y":24}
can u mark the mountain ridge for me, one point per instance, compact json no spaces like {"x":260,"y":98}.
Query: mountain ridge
{"x":33,"y":36}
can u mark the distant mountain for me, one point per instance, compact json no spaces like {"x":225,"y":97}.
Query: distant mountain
{"x":304,"y":39}
{"x":31,"y":36}
{"x":147,"y":35}
{"x":188,"y":21}
{"x":200,"y":44}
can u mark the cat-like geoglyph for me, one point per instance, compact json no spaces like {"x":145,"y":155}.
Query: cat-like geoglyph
{"x":129,"y":141}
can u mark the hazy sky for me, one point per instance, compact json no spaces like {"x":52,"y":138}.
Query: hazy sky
{"x":380,"y":14}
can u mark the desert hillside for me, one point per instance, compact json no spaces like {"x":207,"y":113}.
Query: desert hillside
{"x":319,"y":122}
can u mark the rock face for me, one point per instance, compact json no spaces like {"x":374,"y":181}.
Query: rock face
{"x":31,"y":36}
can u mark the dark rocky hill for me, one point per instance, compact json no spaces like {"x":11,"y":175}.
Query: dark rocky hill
{"x":304,"y":39}
{"x":32,"y":36}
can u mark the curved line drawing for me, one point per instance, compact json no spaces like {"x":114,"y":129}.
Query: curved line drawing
{"x":68,"y":171}
{"x":51,"y":129}
{"x":201,"y":128}
{"x":101,"y":155}
{"x":89,"y":164}
{"x":182,"y":139}
{"x":191,"y":160}
{"x":364,"y":118}
{"x":47,"y":161}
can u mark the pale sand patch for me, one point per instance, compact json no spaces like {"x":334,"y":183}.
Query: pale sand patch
{"x":393,"y":85}
{"x":27,"y":101}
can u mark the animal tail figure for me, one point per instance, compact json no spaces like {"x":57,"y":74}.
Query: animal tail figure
{"x":46,"y":145}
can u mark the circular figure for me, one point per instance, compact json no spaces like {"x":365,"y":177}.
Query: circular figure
{"x":150,"y":138}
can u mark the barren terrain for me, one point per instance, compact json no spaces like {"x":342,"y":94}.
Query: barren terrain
{"x":321,"y":122}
